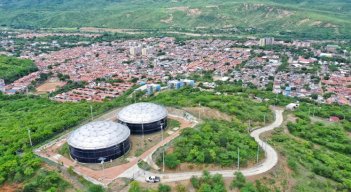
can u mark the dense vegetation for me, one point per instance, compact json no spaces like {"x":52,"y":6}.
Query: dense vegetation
{"x":290,"y":18}
{"x":12,"y":68}
{"x":324,"y":148}
{"x":316,"y":146}
{"x":213,"y":142}
{"x":239,"y":182}
{"x":208,"y":183}
{"x":135,"y":187}
{"x":240,"y":106}
{"x":45,"y":181}
{"x":45,"y":119}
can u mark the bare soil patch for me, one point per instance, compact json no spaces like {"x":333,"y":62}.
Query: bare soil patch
{"x":316,"y":23}
{"x":168,"y":20}
{"x":100,"y":30}
{"x":182,"y":8}
{"x":189,"y":167}
{"x":291,"y":118}
{"x":208,"y":113}
{"x":303,"y":21}
{"x":13,"y":187}
{"x":49,"y":86}
{"x":189,"y":12}
{"x":194,"y":12}
{"x":320,"y":120}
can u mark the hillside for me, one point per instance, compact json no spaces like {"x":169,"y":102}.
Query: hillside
{"x":298,"y":18}
{"x":12,"y":68}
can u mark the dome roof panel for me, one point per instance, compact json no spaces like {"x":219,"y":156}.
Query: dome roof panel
{"x":140,"y":113}
{"x":98,"y":135}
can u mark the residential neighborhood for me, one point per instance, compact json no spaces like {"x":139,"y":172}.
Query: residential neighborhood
{"x":307,"y":72}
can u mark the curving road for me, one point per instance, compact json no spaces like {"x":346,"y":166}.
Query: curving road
{"x":269,"y":162}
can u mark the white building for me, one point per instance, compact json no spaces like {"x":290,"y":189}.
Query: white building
{"x":292,"y":106}
{"x":266,"y":41}
{"x":135,"y":50}
{"x":147,"y":51}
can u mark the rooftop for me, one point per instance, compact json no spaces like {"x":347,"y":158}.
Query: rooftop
{"x":139,"y":113}
{"x":98,"y":135}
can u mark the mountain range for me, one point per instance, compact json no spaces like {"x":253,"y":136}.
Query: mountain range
{"x":297,"y":18}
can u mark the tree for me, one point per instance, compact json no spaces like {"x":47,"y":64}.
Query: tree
{"x":239,"y":181}
{"x":96,"y":188}
{"x":208,"y":183}
{"x":164,"y":188}
{"x":180,"y":188}
{"x":314,"y":96}
{"x":134,"y":187}
{"x":248,"y":187}
{"x":195,"y":182}
{"x":171,"y":161}
{"x":18,"y":177}
{"x":28,"y":171}
{"x":261,"y":188}
{"x":205,"y":188}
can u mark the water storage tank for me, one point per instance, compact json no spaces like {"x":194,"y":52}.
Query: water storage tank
{"x":143,"y":117}
{"x":99,"y":140}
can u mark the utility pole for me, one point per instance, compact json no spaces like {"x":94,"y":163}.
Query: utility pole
{"x":30,"y":138}
{"x":91,"y":112}
{"x":124,"y":153}
{"x":264,"y":119}
{"x":142,"y":127}
{"x":249,"y":125}
{"x":276,"y":99}
{"x":134,"y":96}
{"x":103,"y":169}
{"x":199,"y":110}
{"x":142,"y":132}
{"x":102,"y":160}
{"x":163,"y":150}
{"x":258,"y":151}
{"x":238,"y":165}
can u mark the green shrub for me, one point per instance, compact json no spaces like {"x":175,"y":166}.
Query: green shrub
{"x":239,"y":181}
{"x":134,"y":187}
{"x":171,"y":161}
{"x":292,"y":164}
{"x":96,"y":188}
{"x":213,"y":142}
{"x":164,"y":188}
{"x":180,"y":188}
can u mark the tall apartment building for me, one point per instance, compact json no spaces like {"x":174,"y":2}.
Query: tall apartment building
{"x":147,"y":51}
{"x":266,"y":41}
{"x":135,"y":50}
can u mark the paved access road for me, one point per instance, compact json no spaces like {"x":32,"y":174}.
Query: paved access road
{"x":269,"y":162}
